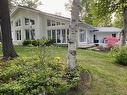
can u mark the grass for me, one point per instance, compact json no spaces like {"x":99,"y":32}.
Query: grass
{"x":107,"y":77}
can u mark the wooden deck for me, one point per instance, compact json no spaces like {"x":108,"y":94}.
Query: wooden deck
{"x":87,"y":46}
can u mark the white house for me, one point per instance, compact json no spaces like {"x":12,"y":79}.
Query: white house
{"x":30,"y":24}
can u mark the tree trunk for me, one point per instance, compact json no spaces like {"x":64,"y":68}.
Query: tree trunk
{"x":124,"y":31}
{"x":7,"y":45}
{"x":72,"y":45}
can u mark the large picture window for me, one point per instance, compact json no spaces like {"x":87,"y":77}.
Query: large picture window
{"x":67,"y":35}
{"x":18,"y":34}
{"x":53,"y":23}
{"x":53,"y":34}
{"x":49,"y":35}
{"x":48,"y":22}
{"x":58,"y":36}
{"x":30,"y":34}
{"x":63,"y":36}
{"x":18,"y":23}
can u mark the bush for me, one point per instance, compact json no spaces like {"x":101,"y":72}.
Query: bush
{"x":43,"y":42}
{"x":120,"y":55}
{"x":26,"y":42}
{"x":50,"y":42}
{"x":35,"y":43}
{"x":46,"y":42}
{"x":39,"y":42}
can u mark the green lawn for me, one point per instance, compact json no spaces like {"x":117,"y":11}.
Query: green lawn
{"x":107,"y":78}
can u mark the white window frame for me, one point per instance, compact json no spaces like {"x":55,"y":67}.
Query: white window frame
{"x":18,"y":35}
{"x":30,"y":34}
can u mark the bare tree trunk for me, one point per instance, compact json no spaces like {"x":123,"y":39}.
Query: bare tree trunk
{"x":124,"y":31}
{"x":72,"y":45}
{"x":7,"y":45}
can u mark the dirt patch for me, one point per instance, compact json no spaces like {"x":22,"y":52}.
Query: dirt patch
{"x":84,"y":86}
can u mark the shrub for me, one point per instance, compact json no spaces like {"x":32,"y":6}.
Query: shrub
{"x":120,"y":55}
{"x":42,"y":42}
{"x":26,"y":42}
{"x":39,"y":42}
{"x":50,"y":42}
{"x":46,"y":42}
{"x":35,"y":43}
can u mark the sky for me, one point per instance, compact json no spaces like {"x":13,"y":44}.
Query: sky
{"x":54,"y":6}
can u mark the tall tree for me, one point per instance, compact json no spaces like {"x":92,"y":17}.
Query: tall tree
{"x":72,"y":45}
{"x":118,"y":20}
{"x":7,"y":45}
{"x":28,"y":3}
{"x":89,"y":14}
{"x":107,"y":7}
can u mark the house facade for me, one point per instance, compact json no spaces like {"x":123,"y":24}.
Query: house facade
{"x":31,"y":24}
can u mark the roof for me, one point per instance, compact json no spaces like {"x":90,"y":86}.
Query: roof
{"x":38,"y":11}
{"x":107,"y":29}
{"x":85,"y":25}
{"x":81,"y":24}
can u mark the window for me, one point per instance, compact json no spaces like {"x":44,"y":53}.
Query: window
{"x":82,"y":36}
{"x":26,"y":21}
{"x":53,"y":23}
{"x":53,"y":34}
{"x":67,"y":34}
{"x":48,"y":22}
{"x":63,"y":36}
{"x":30,"y":34}
{"x":29,"y":21}
{"x":58,"y":23}
{"x":63,"y":23}
{"x":27,"y":34}
{"x":18,"y":23}
{"x":58,"y":36}
{"x":32,"y":22}
{"x":18,"y":34}
{"x":49,"y":34}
